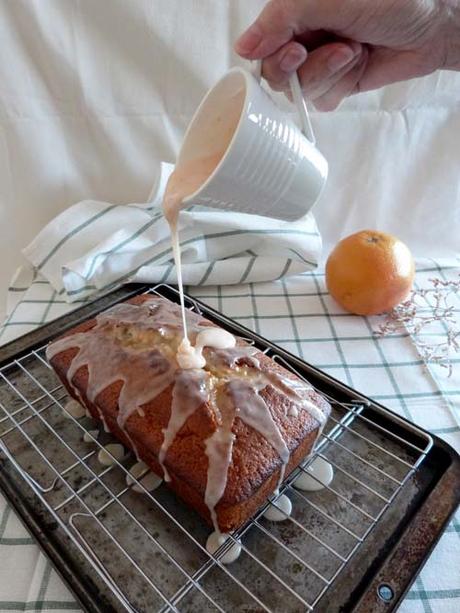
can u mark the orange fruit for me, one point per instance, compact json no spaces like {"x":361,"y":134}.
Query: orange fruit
{"x":369,"y":272}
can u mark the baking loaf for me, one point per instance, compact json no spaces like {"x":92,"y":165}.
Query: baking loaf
{"x":223,"y":437}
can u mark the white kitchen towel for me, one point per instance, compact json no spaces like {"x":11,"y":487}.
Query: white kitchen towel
{"x":93,"y":246}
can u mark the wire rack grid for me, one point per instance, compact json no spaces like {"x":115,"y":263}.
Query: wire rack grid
{"x":149,"y":550}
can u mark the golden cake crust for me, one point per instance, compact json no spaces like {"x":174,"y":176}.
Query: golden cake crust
{"x":255,"y":466}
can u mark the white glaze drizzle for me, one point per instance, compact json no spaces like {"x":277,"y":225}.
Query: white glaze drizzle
{"x":246,"y":401}
{"x":295,"y":390}
{"x":318,"y":468}
{"x":191,"y":356}
{"x":89,"y":436}
{"x":108,"y":363}
{"x":150,"y":482}
{"x":217,"y":338}
{"x":233,"y":356}
{"x":73,"y":408}
{"x":116,"y":351}
{"x":112,"y":449}
{"x":141,"y":473}
{"x":253,"y":410}
{"x":184,"y":180}
{"x":139,"y":469}
{"x":189,"y":393}
{"x":216,"y":539}
{"x":219,"y":448}
{"x":132,"y":444}
{"x":279,"y":509}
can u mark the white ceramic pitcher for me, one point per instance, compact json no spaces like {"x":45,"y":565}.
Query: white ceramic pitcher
{"x":270,"y":166}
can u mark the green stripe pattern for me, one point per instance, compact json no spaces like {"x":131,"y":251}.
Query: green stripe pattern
{"x":297,"y":313}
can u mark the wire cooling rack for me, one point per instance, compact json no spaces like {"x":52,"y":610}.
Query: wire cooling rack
{"x":146,"y":551}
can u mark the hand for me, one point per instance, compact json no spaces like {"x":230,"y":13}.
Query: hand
{"x":341,"y":47}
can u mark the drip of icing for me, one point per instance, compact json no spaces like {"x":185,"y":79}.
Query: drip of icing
{"x":155,"y":314}
{"x":216,"y":539}
{"x":150,"y":482}
{"x":214,"y":337}
{"x":185,"y":345}
{"x":112,"y":449}
{"x":189,"y":356}
{"x":184,"y":181}
{"x":219,"y":448}
{"x":141,"y":472}
{"x":74,"y":409}
{"x":89,"y":436}
{"x":136,"y":346}
{"x":279,"y":509}
{"x":321,"y":470}
{"x":132,"y":444}
{"x":139,"y":469}
{"x":253,"y":410}
{"x":144,"y":372}
{"x":295,"y":391}
{"x":241,"y":399}
{"x":230,"y":357}
{"x":189,"y":393}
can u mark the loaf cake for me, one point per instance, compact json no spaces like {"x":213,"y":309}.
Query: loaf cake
{"x":223,"y":437}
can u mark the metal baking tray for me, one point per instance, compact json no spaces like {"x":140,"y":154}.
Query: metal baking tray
{"x":355,"y":545}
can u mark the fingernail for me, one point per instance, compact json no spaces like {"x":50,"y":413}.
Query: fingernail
{"x":341,"y":58}
{"x":292,"y":59}
{"x":249,"y":40}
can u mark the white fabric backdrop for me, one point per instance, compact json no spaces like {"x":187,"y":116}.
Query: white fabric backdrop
{"x":94,"y":94}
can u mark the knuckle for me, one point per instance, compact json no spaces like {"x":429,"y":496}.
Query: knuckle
{"x":272,"y":73}
{"x":326,"y":105}
{"x":281,"y":8}
{"x":282,"y":12}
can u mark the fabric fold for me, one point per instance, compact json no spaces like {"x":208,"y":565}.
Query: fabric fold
{"x":93,"y":246}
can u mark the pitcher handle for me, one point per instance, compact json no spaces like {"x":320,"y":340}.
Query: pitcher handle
{"x":297,"y":98}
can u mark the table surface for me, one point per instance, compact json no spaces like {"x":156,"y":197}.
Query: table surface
{"x":298,"y":314}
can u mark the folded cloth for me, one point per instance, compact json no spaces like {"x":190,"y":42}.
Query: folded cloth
{"x":94,"y":246}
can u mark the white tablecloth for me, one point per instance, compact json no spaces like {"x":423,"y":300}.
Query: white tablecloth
{"x":94,"y":94}
{"x":296,"y":313}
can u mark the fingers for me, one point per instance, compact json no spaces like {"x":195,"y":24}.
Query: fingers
{"x":347,"y":85}
{"x":321,"y":70}
{"x":281,"y":20}
{"x":277,"y":68}
{"x":325,"y":67}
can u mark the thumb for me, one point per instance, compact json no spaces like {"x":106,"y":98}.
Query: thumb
{"x":282,"y":20}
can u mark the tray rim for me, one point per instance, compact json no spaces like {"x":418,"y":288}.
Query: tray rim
{"x":64,"y":564}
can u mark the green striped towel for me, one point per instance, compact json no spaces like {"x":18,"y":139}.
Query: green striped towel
{"x":298,"y":314}
{"x":93,"y":246}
